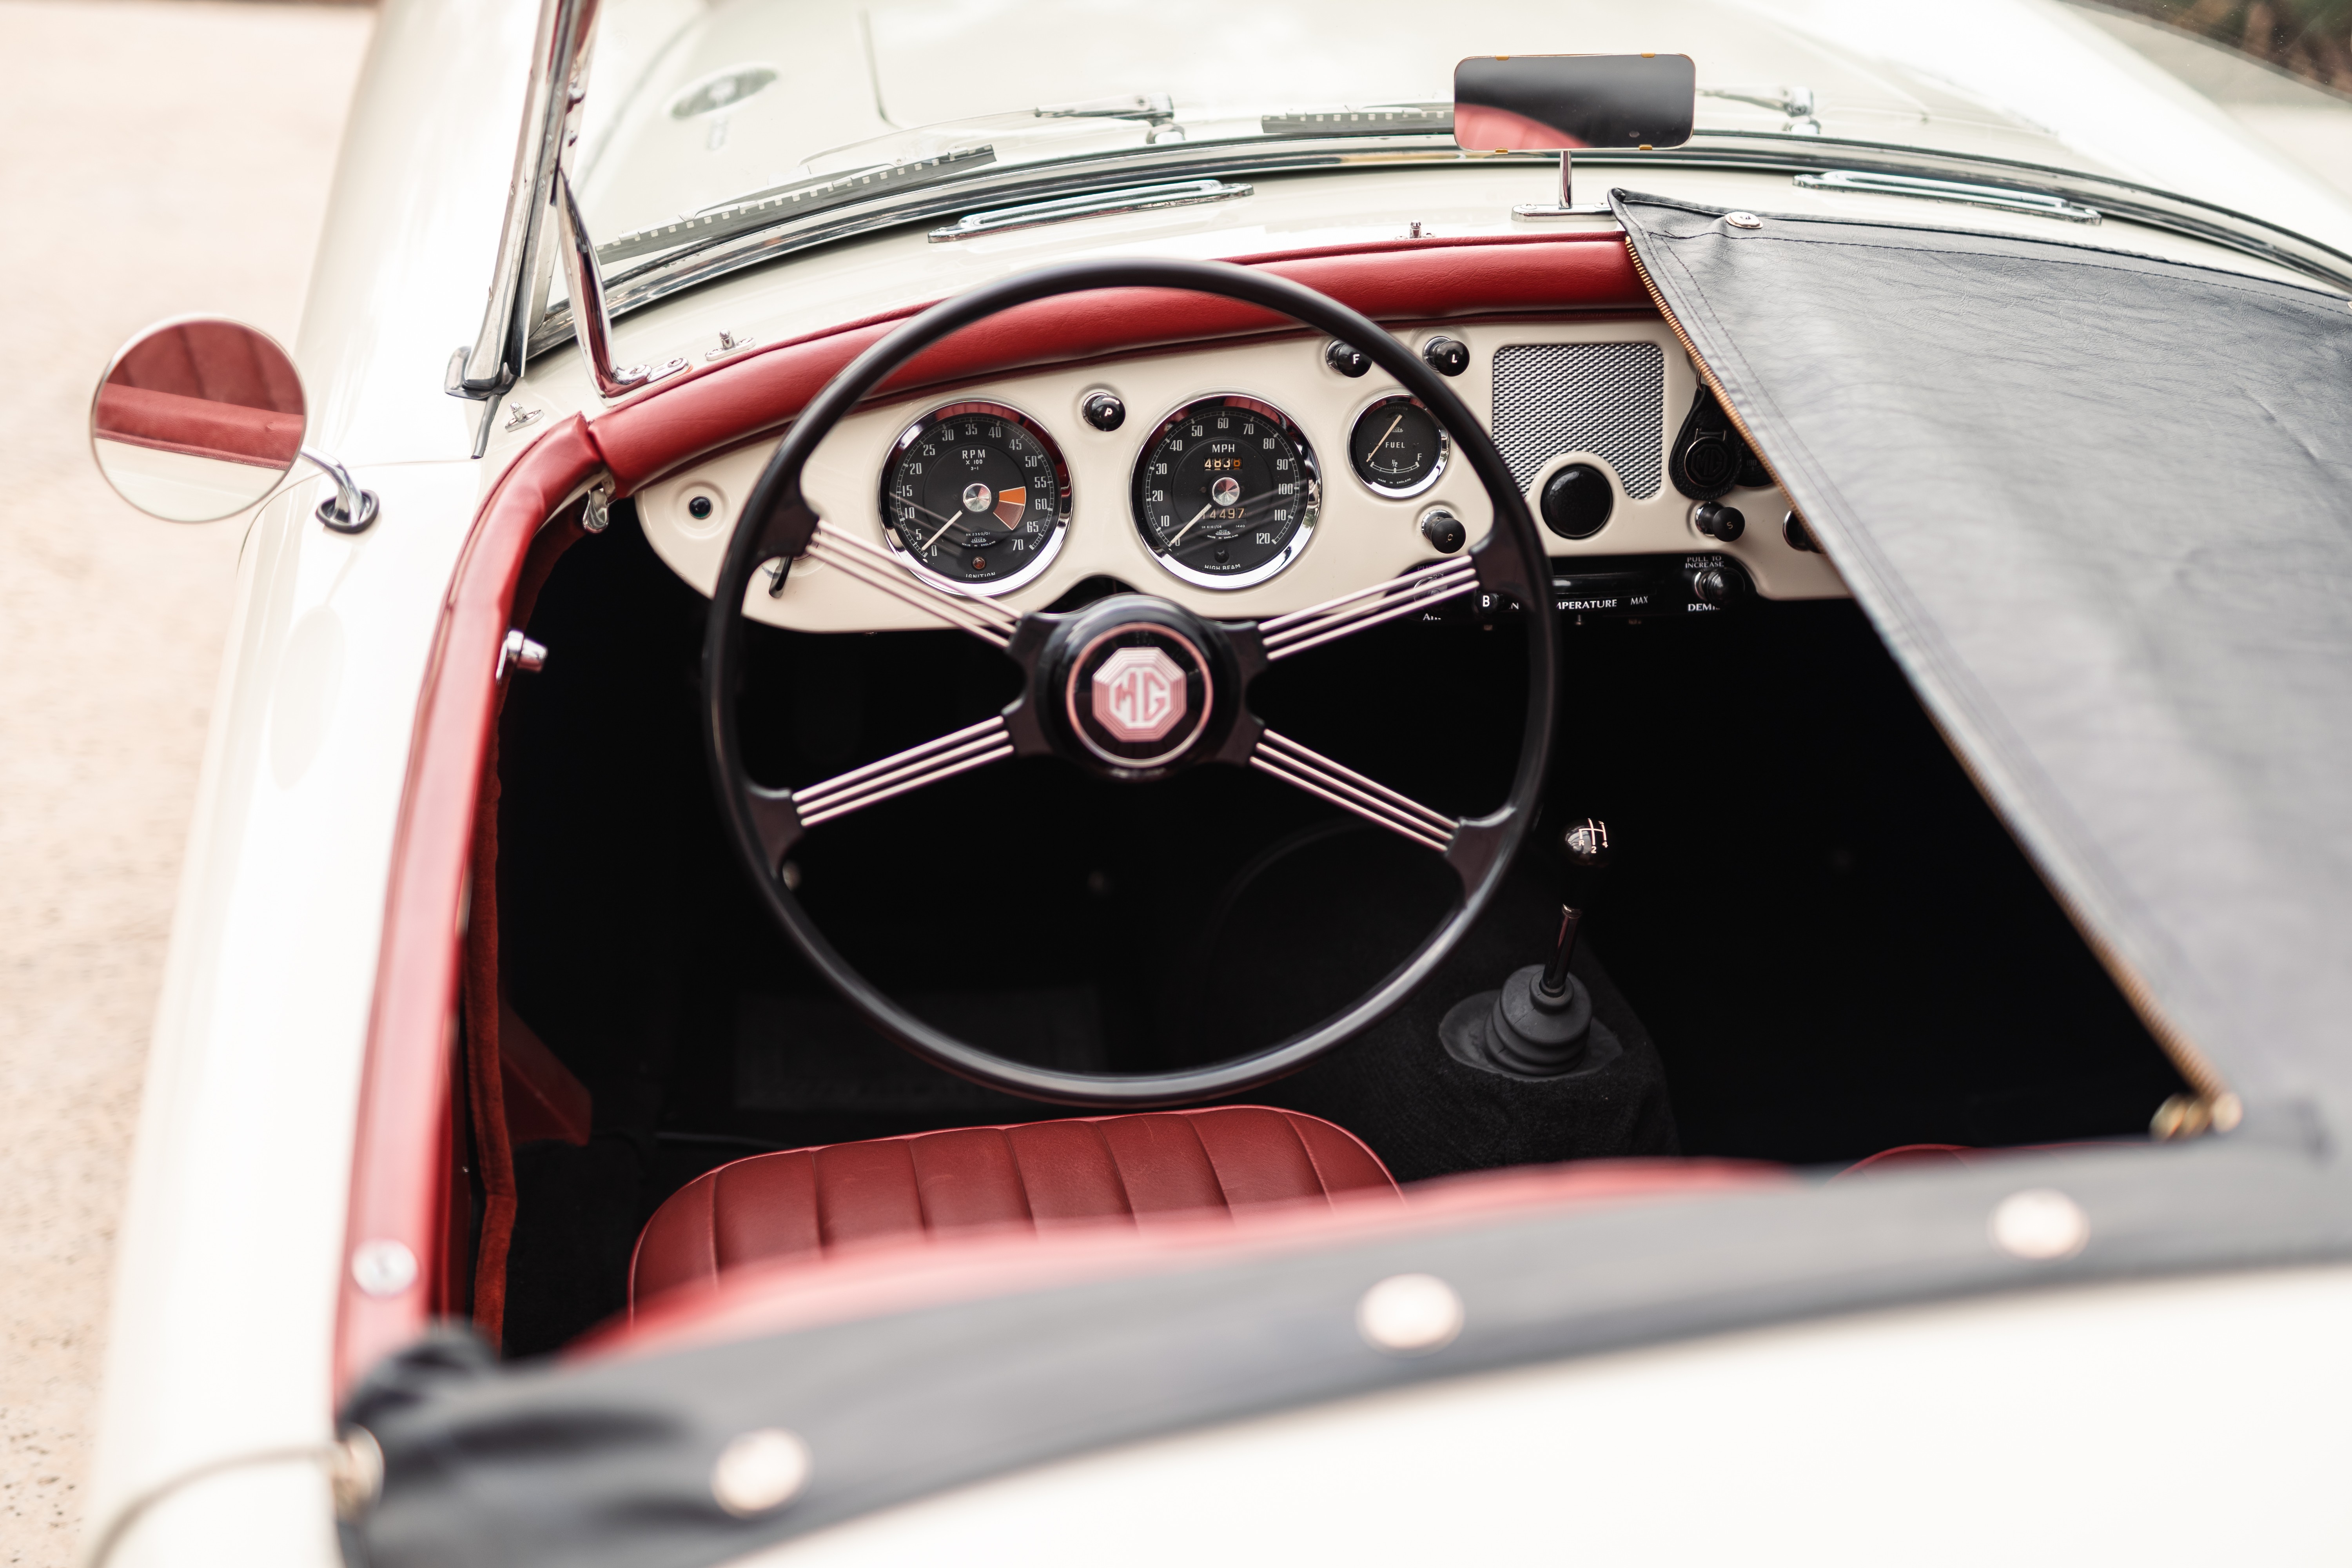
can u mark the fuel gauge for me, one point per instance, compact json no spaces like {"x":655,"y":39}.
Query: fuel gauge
{"x":1397,"y":446}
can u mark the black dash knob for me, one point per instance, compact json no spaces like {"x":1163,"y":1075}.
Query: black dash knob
{"x":1443,"y":530}
{"x":1714,"y":584}
{"x":1799,"y":537}
{"x":1576,"y":502}
{"x":1105,"y":412}
{"x":1447,"y":356}
{"x":1346,"y":358}
{"x":1718,"y":521}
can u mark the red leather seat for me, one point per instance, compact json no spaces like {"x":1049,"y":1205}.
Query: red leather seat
{"x":804,"y":1203}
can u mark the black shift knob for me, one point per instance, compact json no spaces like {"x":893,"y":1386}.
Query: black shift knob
{"x":1584,"y":854}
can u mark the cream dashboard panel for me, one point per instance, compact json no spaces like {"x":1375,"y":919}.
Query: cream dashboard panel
{"x":1359,"y":537}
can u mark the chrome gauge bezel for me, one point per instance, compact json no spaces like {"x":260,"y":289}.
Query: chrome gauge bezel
{"x":1044,"y":558}
{"x":1312,"y":512}
{"x":1437,"y":470}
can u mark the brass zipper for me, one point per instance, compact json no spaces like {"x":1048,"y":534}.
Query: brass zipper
{"x":2220,"y":1108}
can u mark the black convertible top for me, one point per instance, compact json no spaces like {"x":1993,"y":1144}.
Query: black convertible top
{"x":2099,"y":506}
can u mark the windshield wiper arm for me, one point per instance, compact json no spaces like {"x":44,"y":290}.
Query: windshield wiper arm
{"x":1091,"y":204}
{"x":1794,"y":104}
{"x":1152,"y":108}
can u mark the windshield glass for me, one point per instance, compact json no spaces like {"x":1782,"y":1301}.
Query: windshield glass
{"x":699,"y":104}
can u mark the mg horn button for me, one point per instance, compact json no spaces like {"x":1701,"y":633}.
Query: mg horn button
{"x":1137,"y":695}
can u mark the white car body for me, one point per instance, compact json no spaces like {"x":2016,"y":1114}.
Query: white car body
{"x":2173,"y":1421}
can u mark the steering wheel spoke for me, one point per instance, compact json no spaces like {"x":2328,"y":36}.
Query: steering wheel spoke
{"x":972,"y":747}
{"x":1317,"y":775}
{"x":871,"y":566}
{"x":782,"y":816}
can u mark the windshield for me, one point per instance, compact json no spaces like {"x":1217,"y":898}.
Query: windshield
{"x":699,"y":104}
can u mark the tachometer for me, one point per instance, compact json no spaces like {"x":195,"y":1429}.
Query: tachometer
{"x":977,"y":495}
{"x":1397,"y":448}
{"x":1226,"y":492}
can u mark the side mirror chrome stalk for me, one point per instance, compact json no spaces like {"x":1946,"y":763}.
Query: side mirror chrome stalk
{"x":350,"y":510}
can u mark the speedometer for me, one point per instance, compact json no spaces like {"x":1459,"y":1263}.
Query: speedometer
{"x":1226,"y":492}
{"x":976,"y":494}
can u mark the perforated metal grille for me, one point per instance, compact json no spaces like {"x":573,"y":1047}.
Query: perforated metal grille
{"x":1609,"y":399}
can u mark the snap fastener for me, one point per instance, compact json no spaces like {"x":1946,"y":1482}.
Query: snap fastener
{"x":1743,"y":220}
{"x":383,"y":1267}
{"x":355,"y":1474}
{"x":760,"y":1471}
{"x":2040,"y":1224}
{"x":1409,"y":1314}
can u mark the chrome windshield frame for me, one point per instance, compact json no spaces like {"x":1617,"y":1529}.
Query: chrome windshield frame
{"x":560,"y":52}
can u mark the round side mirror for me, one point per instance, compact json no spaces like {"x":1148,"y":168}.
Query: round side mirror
{"x":198,"y":418}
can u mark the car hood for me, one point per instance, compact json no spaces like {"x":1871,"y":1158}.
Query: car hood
{"x":695,"y":104}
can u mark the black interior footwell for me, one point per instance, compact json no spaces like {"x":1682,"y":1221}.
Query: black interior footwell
{"x":1819,"y":941}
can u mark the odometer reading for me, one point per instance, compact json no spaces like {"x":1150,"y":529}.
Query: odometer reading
{"x":1226,"y":492}
{"x":976,"y":494}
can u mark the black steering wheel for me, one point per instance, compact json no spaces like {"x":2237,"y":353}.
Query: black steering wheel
{"x":1130,"y":688}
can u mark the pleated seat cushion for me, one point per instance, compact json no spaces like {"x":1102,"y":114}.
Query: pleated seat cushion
{"x":806,"y":1202}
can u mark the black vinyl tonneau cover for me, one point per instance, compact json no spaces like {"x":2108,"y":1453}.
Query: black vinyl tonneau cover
{"x":2099,"y":506}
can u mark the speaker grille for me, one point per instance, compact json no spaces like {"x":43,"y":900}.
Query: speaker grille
{"x":1609,"y":399}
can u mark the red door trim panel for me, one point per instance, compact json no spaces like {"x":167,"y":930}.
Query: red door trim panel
{"x":404,"y":1084}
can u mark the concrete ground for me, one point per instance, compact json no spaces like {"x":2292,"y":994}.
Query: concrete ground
{"x":154,"y":158}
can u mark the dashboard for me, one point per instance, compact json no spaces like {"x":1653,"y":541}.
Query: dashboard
{"x":1253,"y":478}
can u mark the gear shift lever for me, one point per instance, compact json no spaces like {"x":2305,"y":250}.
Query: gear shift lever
{"x":1585,"y":847}
{"x":1539,"y":1023}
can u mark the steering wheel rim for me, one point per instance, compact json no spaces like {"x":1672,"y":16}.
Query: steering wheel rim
{"x":776,"y":522}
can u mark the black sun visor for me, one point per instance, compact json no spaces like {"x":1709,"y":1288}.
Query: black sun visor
{"x":2099,"y":506}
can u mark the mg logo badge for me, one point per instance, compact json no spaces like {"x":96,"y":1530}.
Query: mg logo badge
{"x":1139,"y":694}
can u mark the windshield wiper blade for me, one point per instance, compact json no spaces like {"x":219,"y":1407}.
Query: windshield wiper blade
{"x":1377,"y":122}
{"x":764,"y":208}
